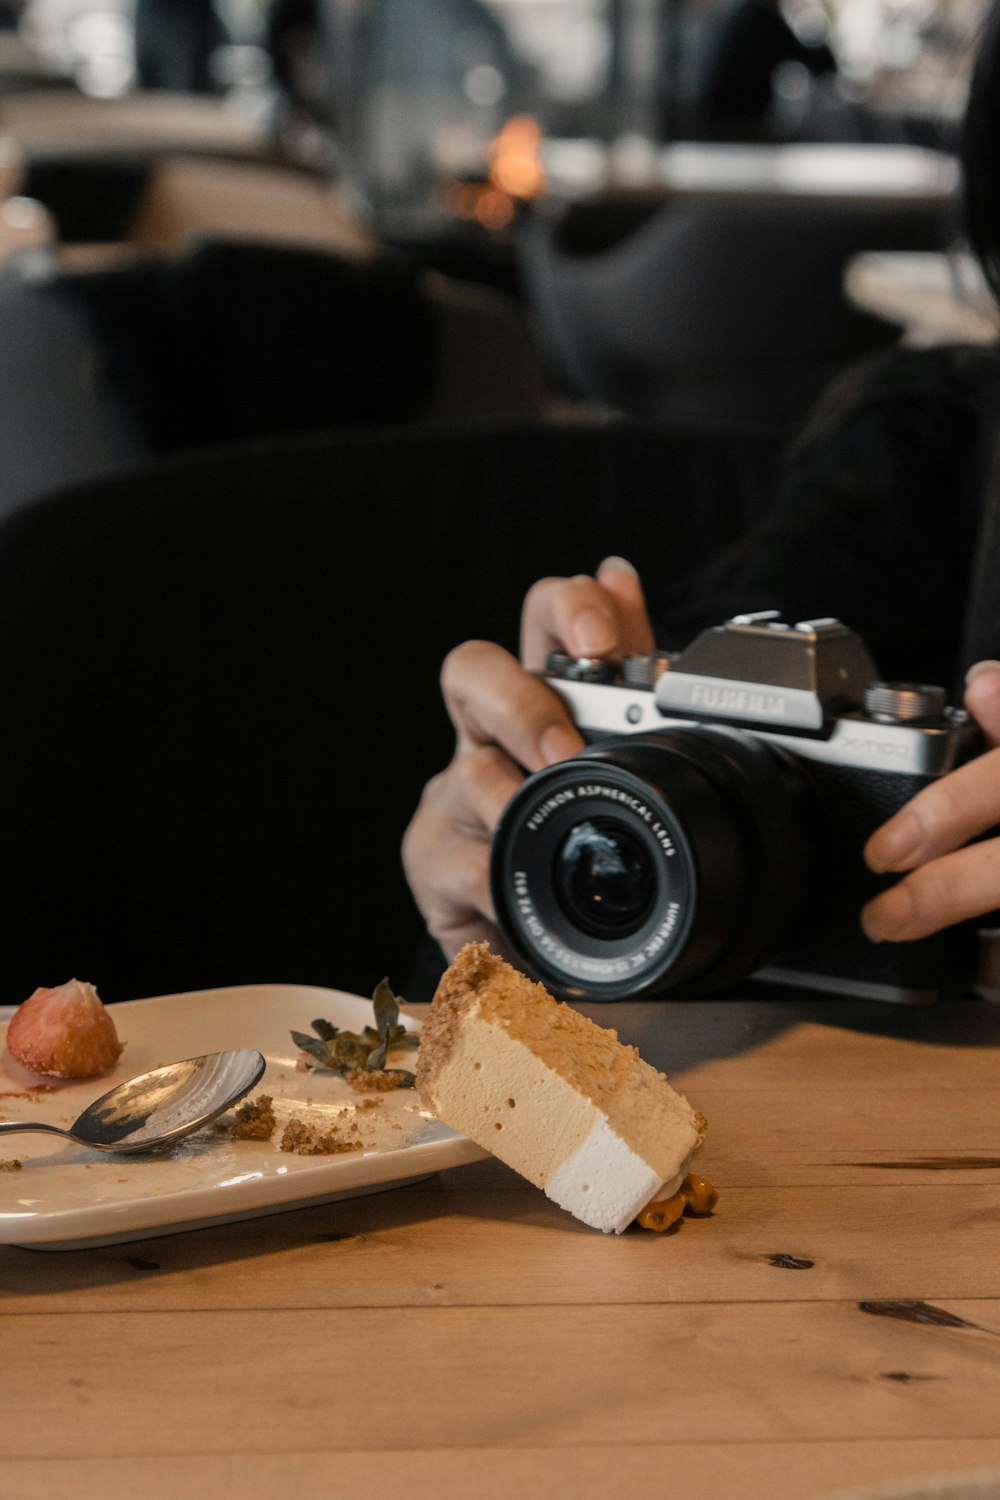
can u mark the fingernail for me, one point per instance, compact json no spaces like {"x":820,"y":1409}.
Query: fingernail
{"x":888,"y":916}
{"x":894,"y":843}
{"x":593,"y":633}
{"x":979,"y":667}
{"x":616,"y":565}
{"x":557,"y":742}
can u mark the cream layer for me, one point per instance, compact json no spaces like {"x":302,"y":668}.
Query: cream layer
{"x":605,"y":1183}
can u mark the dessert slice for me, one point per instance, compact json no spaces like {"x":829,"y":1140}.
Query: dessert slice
{"x":555,"y":1096}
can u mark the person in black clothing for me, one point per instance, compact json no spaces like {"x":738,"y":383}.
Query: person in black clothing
{"x":888,"y":516}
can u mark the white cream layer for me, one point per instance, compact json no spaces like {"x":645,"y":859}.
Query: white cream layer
{"x":496,"y":1091}
{"x":605,"y":1183}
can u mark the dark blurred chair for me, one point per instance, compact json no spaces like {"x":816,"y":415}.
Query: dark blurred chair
{"x":728,"y":314}
{"x":220,"y":682}
{"x":231,"y":342}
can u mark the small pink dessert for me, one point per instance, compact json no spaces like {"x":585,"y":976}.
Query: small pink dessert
{"x":64,"y":1033}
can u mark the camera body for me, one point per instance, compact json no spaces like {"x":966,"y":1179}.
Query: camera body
{"x":713,"y":827}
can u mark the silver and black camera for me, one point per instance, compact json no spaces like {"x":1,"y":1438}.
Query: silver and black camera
{"x":712,"y":829}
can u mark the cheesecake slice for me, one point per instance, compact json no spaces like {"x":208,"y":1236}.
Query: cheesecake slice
{"x":553,"y":1095}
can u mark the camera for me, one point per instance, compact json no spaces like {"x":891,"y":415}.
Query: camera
{"x":712,"y":828}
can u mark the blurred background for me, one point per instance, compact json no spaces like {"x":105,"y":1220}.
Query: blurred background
{"x":408,"y":96}
{"x":447,"y":131}
{"x":440,"y":121}
{"x":286,"y":286}
{"x":580,"y":66}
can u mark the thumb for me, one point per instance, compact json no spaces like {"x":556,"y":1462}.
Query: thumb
{"x":982,"y":697}
{"x":622,"y":581}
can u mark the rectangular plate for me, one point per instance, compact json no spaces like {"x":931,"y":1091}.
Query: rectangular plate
{"x":67,"y":1196}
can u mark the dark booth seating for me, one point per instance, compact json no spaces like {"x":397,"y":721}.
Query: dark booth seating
{"x":220,"y":681}
{"x":726,"y":314}
{"x":102,"y":370}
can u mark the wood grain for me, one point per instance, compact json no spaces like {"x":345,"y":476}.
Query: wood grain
{"x":751,"y":1471}
{"x":837,"y":1136}
{"x":271,"y":1382}
{"x":442,"y":1245}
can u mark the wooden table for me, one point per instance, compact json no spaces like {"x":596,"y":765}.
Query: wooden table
{"x":835,"y":1323}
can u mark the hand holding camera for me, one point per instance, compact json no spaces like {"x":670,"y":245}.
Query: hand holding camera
{"x":508,"y":721}
{"x":952,"y":879}
{"x":802,"y":797}
{"x":713,"y":828}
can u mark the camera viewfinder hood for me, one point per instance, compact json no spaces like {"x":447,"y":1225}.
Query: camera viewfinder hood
{"x":756,"y":667}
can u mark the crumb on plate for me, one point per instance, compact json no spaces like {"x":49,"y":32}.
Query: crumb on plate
{"x":313,"y":1140}
{"x":254,"y":1120}
{"x":373,"y":1080}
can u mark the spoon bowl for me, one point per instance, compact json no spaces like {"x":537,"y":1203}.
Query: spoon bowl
{"x":157,"y":1108}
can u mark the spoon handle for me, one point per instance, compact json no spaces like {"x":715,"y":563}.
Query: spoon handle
{"x":11,"y":1127}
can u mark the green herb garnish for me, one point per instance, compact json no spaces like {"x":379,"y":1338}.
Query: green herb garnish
{"x":343,"y":1051}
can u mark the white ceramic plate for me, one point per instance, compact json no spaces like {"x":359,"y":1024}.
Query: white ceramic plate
{"x":65,"y":1196}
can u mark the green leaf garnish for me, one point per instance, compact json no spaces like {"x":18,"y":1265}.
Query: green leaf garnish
{"x":342,"y":1051}
{"x":385,"y":1006}
{"x":376,"y":1058}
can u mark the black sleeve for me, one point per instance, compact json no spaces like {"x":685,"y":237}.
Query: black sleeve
{"x":876,"y":515}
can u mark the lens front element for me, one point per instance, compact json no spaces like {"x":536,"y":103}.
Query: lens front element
{"x":604,"y":878}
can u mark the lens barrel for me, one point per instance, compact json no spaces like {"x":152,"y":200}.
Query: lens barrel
{"x":663,"y":863}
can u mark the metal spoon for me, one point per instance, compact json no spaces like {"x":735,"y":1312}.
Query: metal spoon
{"x":157,"y":1108}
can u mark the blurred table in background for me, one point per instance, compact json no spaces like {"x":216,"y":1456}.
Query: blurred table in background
{"x":64,"y":120}
{"x":22,"y":69}
{"x":151,"y":171}
{"x":885,"y":174}
{"x":186,"y":197}
{"x":936,"y":299}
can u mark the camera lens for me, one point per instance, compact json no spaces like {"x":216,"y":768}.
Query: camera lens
{"x":662,"y":863}
{"x":604,"y":879}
